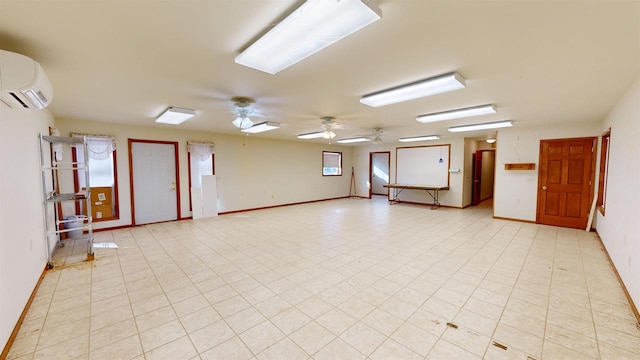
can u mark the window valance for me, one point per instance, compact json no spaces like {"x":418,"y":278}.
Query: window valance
{"x":201,"y":150}
{"x":99,"y":147}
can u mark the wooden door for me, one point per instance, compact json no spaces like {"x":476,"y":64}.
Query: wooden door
{"x":154,"y":185}
{"x":477,"y":177}
{"x":565,"y":182}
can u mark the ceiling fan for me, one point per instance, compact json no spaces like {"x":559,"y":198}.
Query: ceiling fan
{"x":243,"y":108}
{"x":375,"y":136}
{"x":328,"y":125}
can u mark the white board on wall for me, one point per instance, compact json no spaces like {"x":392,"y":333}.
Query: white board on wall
{"x":423,"y":165}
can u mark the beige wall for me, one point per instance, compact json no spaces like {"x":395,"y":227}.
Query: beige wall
{"x":516,"y":192}
{"x":251,"y":172}
{"x":619,"y":228}
{"x":452,"y":197}
{"x":22,"y":243}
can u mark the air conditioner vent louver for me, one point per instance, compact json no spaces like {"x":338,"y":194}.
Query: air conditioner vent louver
{"x":18,"y":100}
{"x":23,"y":83}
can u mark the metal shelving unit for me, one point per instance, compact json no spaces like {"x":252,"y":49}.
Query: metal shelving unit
{"x":51,"y":197}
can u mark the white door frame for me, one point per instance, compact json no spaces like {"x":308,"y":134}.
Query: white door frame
{"x":131,"y":174}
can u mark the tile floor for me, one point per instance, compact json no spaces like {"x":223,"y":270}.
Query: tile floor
{"x":343,"y":279}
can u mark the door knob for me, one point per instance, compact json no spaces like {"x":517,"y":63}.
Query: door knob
{"x":544,"y":187}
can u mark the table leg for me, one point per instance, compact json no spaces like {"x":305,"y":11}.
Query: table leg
{"x":434,"y":196}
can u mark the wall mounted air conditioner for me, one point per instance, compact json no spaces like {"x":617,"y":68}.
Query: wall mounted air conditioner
{"x":23,"y":83}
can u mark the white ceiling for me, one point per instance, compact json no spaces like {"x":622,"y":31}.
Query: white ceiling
{"x":539,"y":62}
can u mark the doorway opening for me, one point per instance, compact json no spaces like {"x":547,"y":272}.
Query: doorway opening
{"x":483,"y":170}
{"x":379,"y":165}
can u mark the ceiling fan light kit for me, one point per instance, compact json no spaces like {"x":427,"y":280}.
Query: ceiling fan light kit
{"x":418,"y":89}
{"x":310,"y":28}
{"x":242,"y":108}
{"x":328,"y":134}
{"x":242,"y":122}
{"x":419,"y":138}
{"x":457,"y":113}
{"x":175,"y":116}
{"x":481,"y":126}
{"x":261,"y":127}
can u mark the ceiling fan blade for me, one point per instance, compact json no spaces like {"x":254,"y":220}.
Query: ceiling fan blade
{"x":257,"y":113}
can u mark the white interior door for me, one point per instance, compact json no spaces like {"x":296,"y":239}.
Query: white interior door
{"x":154,"y":182}
{"x":379,"y":173}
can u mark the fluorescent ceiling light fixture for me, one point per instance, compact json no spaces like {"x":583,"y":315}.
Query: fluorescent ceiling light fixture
{"x":175,"y":116}
{"x":420,"y":138}
{"x":313,"y":26}
{"x":418,"y":89}
{"x":262,"y":127}
{"x":490,"y":141}
{"x":353,"y":140}
{"x":458,"y":113}
{"x":313,"y":135}
{"x":482,"y":126}
{"x":327,"y":134}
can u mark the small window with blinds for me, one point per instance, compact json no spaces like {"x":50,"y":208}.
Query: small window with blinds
{"x":331,"y":163}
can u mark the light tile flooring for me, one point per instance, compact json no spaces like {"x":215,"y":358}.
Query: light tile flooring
{"x":343,"y":279}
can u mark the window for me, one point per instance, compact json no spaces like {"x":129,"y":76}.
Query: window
{"x":331,"y":163}
{"x":198,"y":167}
{"x":201,"y":162}
{"x":102,"y":177}
{"x":604,"y":171}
